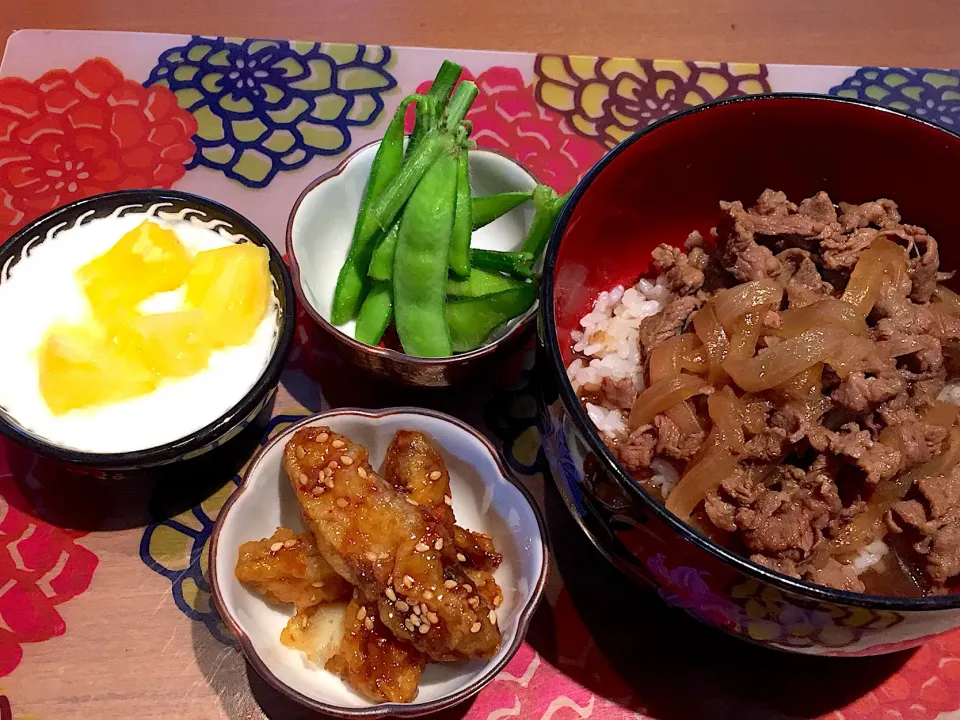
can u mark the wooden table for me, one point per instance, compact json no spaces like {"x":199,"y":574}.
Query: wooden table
{"x":855,"y":32}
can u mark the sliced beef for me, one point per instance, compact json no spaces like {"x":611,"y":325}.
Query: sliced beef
{"x":836,"y":575}
{"x":841,"y":251}
{"x":773,"y":202}
{"x":897,"y":313}
{"x":879,"y":213}
{"x":682,"y":277}
{"x":860,"y":394}
{"x":934,"y":519}
{"x":674,"y":444}
{"x":877,"y":461}
{"x":619,"y":393}
{"x":800,"y":279}
{"x":820,"y":208}
{"x":666,"y":323}
{"x":917,"y":440}
{"x":739,"y":252}
{"x":638,"y":449}
{"x":923,"y":269}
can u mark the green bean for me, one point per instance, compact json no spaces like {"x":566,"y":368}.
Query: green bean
{"x":388,"y":205}
{"x":462,"y":223}
{"x":471,"y":320}
{"x":481,"y":282}
{"x":428,"y":116}
{"x":375,"y":314}
{"x":352,"y":282}
{"x":518,"y":264}
{"x":488,"y":208}
{"x":460,"y":102}
{"x":420,"y":262}
{"x":381,"y":264}
{"x":547,"y":208}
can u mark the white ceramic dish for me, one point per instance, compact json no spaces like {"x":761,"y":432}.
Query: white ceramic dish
{"x":485,"y":498}
{"x":321,"y":226}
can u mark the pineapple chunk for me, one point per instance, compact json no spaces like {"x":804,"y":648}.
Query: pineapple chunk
{"x":172,"y":344}
{"x":80,"y":367}
{"x":147,"y":260}
{"x":232,"y":285}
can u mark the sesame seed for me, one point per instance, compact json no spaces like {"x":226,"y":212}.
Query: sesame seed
{"x":383,"y":556}
{"x":408,"y":581}
{"x":332,"y":465}
{"x":346,"y":460}
{"x":409,"y":625}
{"x":474,"y":602}
{"x":301,"y":453}
{"x":475,"y":628}
{"x":289,"y":543}
{"x":329,"y":482}
{"x":422,"y":547}
{"x":362,"y":613}
{"x":427,"y":595}
{"x":424,"y":629}
{"x":318,"y":584}
{"x":497,"y":600}
{"x":371,"y":556}
{"x":415,"y":620}
{"x":492,"y":617}
{"x":391,"y":595}
{"x":323,"y":437}
{"x":368,"y":624}
{"x":402,"y":606}
{"x":432,"y":617}
{"x":468,"y":587}
{"x":276,"y":546}
{"x":461,"y":557}
{"x":342,"y":502}
{"x":448,"y":500}
{"x":450,"y":584}
{"x":317,"y":491}
{"x":435,"y":475}
{"x":416,"y":609}
{"x":412,"y":502}
{"x":438,"y":545}
{"x":361,"y":472}
{"x":303,"y":479}
{"x":338,"y":443}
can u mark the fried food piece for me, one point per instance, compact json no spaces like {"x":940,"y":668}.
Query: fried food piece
{"x":316,"y":631}
{"x":373,"y":661}
{"x":288,"y":568}
{"x":415,"y":468}
{"x":395,"y":557}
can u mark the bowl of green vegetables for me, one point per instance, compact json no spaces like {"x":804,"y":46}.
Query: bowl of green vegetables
{"x":419,"y":255}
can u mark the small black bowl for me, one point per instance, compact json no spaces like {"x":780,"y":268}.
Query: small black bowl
{"x":155,"y":202}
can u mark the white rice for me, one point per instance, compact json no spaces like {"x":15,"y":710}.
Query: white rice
{"x":869,"y":556}
{"x":607,"y":346}
{"x":666,"y":477}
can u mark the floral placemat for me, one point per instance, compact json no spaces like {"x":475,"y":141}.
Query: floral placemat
{"x":104,"y":601}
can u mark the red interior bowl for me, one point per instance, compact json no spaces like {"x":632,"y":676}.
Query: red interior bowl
{"x":661,"y":184}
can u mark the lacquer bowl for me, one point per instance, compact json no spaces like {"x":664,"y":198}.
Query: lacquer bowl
{"x":486,"y":498}
{"x":319,"y":234}
{"x":657,"y":186}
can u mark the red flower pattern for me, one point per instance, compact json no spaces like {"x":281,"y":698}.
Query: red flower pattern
{"x":507,"y":117}
{"x":70,"y":135}
{"x":41,"y":566}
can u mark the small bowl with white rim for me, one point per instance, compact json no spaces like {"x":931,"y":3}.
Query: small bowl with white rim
{"x":486,"y":499}
{"x":182,"y":418}
{"x":319,"y":234}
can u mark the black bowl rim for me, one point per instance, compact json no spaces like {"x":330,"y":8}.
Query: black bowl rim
{"x":269,"y":378}
{"x":586,"y":428}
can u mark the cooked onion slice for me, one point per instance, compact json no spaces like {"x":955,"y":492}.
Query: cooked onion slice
{"x":948,"y":299}
{"x":681,"y":352}
{"x":790,"y":357}
{"x":942,"y":413}
{"x":727,"y":416}
{"x":828,"y":311}
{"x":703,"y":477}
{"x":715,"y":341}
{"x":685,"y":418}
{"x":733,"y":304}
{"x":662,"y":395}
{"x":884,"y":261}
{"x":746,"y":332}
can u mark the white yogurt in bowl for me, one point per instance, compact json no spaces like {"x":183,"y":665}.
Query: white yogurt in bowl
{"x":42,"y":291}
